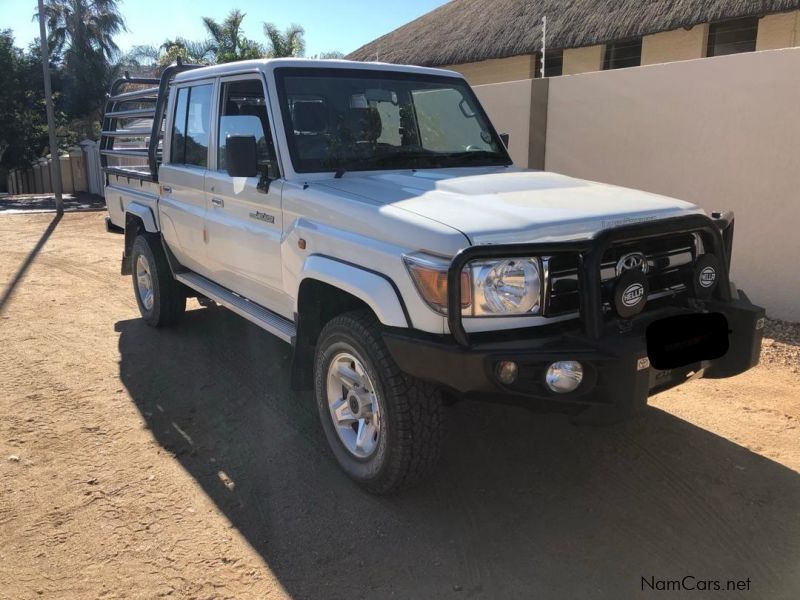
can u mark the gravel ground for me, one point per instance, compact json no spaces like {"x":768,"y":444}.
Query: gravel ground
{"x":781,"y":345}
{"x":137,"y":463}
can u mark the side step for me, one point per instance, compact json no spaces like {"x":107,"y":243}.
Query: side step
{"x":255,"y":313}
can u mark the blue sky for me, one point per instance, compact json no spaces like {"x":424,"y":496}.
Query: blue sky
{"x":342,"y":26}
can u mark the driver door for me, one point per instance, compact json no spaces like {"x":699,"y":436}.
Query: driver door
{"x":244,"y":221}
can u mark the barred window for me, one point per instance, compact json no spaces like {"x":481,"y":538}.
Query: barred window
{"x":732,"y":37}
{"x":622,"y":54}
{"x":553,"y":63}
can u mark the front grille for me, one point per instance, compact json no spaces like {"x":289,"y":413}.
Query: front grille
{"x":669,"y":261}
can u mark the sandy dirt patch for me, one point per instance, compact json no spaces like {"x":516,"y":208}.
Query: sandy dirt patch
{"x":137,"y":463}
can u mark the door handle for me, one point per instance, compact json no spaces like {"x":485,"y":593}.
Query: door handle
{"x":166,"y":189}
{"x":219,"y":202}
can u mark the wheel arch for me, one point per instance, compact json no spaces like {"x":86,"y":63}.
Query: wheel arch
{"x":138,"y":218}
{"x":330,"y":287}
{"x":374,"y":289}
{"x":144,"y":214}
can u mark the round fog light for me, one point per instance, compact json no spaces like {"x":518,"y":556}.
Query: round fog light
{"x":507,"y":371}
{"x":564,"y":376}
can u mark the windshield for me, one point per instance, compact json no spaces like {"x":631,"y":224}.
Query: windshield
{"x":357,"y":120}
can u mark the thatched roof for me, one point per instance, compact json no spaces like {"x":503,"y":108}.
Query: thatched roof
{"x":464,"y":31}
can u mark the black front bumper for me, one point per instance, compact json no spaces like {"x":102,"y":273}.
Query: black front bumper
{"x":612,"y":350}
{"x":617,"y":370}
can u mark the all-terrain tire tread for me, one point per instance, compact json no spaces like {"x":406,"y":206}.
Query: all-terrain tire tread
{"x":416,"y":406}
{"x":170,"y":304}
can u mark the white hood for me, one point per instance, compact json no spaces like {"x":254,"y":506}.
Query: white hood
{"x":494,"y":206}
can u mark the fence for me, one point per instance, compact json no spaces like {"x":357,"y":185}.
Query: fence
{"x":720,"y":132}
{"x":80,"y":172}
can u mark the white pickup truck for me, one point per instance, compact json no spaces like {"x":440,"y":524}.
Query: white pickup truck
{"x":370,"y":216}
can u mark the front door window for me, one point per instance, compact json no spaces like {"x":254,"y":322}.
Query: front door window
{"x":243,"y":111}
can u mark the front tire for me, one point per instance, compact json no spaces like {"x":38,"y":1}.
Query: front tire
{"x":161,"y":299}
{"x":383,"y":426}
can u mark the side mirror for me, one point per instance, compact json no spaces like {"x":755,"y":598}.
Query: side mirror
{"x":241,"y":157}
{"x":504,"y":138}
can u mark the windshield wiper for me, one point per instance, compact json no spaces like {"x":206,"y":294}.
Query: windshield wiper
{"x":422,"y":159}
{"x":389,"y":160}
{"x":472,"y":156}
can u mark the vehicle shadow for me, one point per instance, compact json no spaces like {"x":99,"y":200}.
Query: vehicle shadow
{"x":523,"y":505}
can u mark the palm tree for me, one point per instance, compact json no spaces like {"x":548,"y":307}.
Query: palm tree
{"x":226,"y":40}
{"x":150,"y":60}
{"x":139,"y":61}
{"x":197,"y":53}
{"x":84,"y":26}
{"x":83,"y":31}
{"x":287,"y":43}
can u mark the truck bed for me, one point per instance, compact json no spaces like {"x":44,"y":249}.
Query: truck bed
{"x":122,"y":188}
{"x":131,"y":139}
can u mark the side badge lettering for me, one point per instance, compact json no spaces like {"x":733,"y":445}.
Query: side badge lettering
{"x":260,"y":216}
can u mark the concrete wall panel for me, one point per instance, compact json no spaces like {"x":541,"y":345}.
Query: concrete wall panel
{"x":721,"y":132}
{"x":509,"y":107}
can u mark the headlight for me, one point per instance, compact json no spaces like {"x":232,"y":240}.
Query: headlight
{"x":489,"y":288}
{"x":505,"y":287}
{"x":430,"y":277}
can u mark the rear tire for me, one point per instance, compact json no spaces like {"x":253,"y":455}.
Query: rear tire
{"x":400,"y":424}
{"x":161,"y":299}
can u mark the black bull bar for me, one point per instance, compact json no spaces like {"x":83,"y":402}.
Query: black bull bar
{"x":716,"y":233}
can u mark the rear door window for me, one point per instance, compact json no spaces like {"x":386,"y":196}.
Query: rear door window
{"x":178,"y":145}
{"x":191,"y":125}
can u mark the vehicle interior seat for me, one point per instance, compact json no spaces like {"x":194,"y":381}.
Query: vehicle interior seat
{"x":260,"y":111}
{"x":231,"y":109}
{"x":310,"y":122}
{"x":364,"y":124}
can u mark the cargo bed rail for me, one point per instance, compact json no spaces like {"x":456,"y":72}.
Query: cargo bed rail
{"x":122,"y":137}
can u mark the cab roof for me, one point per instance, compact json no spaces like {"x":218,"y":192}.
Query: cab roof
{"x":269,"y":64}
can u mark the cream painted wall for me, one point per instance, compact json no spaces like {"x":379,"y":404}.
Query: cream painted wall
{"x":583,"y":60}
{"x":781,"y":30}
{"x":497,"y":70}
{"x":678,"y":44}
{"x":721,"y":132}
{"x":509,"y":107}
